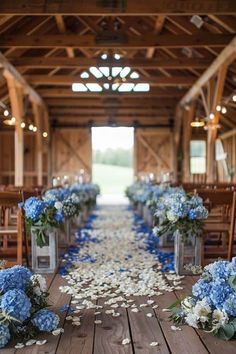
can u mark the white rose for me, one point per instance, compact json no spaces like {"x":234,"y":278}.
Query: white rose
{"x":219,"y":317}
{"x":58,"y":205}
{"x":191,"y":319}
{"x":202,"y":310}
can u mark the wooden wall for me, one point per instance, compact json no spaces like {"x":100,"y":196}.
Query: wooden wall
{"x":153,"y":151}
{"x":71,"y":151}
{"x":7,"y":159}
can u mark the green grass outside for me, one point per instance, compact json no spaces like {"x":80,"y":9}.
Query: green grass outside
{"x":112,"y":179}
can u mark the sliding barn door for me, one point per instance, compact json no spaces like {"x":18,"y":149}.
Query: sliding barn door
{"x":71,"y":151}
{"x":153,"y":151}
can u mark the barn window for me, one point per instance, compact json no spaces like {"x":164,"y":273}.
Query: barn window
{"x":197,"y":156}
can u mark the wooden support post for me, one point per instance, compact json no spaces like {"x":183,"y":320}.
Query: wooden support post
{"x":176,"y":139}
{"x":16,"y":100}
{"x":212,"y":131}
{"x":38,"y":118}
{"x":187,"y":118}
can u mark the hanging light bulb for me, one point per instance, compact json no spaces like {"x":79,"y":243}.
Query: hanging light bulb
{"x":234,"y":98}
{"x":45,"y":134}
{"x":197,"y":123}
{"x":31,"y":127}
{"x":35,"y":129}
{"x":218,"y":108}
{"x":211,"y":115}
{"x":22,"y":125}
{"x":6,"y":113}
{"x":223,"y":110}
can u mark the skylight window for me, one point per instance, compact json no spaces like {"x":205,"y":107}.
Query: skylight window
{"x":94,"y":87}
{"x":116,"y":70}
{"x":125,"y":87}
{"x":105,"y":70}
{"x":97,"y":73}
{"x":142,"y":87}
{"x":76,"y":87}
{"x":114,"y":78}
{"x":134,"y":75}
{"x":125,"y":71}
{"x":84,"y":75}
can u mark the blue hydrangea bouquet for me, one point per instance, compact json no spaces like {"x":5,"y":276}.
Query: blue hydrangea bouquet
{"x":42,"y":215}
{"x":23,"y":306}
{"x":180,"y":212}
{"x":212,"y":304}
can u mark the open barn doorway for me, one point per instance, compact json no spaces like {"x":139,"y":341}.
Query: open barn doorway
{"x":112,"y":161}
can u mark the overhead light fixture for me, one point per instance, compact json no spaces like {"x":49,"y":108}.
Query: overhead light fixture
{"x":31,"y":127}
{"x":234,"y":98}
{"x":10,"y":121}
{"x":197,"y":123}
{"x":22,"y":125}
{"x":35,"y":129}
{"x":45,"y":134}
{"x":218,"y":108}
{"x":197,"y":21}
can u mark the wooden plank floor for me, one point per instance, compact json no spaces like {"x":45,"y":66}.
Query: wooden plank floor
{"x":106,"y":338}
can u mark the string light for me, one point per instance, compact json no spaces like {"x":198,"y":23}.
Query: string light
{"x":234,"y":98}
{"x":31,"y":127}
{"x":45,"y":134}
{"x":218,"y":108}
{"x":35,"y":129}
{"x":6,"y":113}
{"x":22,"y":125}
{"x":223,"y":110}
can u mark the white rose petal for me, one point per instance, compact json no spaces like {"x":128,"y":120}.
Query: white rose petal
{"x":19,"y":345}
{"x":97,"y":321}
{"x":154,"y":344}
{"x":30,"y":342}
{"x":126,"y":341}
{"x":41,"y":342}
{"x":174,"y":328}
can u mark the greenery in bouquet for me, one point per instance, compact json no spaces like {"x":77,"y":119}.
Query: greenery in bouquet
{"x":23,"y":306}
{"x":42,"y":215}
{"x":212,"y":304}
{"x":180,"y":212}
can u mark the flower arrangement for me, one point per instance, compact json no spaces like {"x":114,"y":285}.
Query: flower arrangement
{"x":212,"y":304}
{"x":43,"y":215}
{"x":23,"y":306}
{"x":180,"y":212}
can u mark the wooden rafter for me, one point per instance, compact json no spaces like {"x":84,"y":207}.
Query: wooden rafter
{"x":68,"y":80}
{"x":10,"y":70}
{"x":84,"y":63}
{"x":62,"y":29}
{"x":89,"y":41}
{"x":157,"y":29}
{"x":131,"y":7}
{"x":227,"y":54}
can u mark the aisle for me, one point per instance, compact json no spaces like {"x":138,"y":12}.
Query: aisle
{"x":113,"y":262}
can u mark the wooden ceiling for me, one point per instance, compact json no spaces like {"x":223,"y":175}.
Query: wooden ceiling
{"x":52,"y":42}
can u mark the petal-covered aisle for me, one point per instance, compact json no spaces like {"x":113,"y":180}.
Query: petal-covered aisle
{"x":111,"y":261}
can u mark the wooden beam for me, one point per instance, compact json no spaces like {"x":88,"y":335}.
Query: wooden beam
{"x":100,"y":102}
{"x":157,"y":29}
{"x":38,"y":118}
{"x":110,"y":110}
{"x":62,"y":29}
{"x":157,"y":92}
{"x":89,"y":41}
{"x":228,"y":134}
{"x":10,"y":70}
{"x":16,"y":100}
{"x":85,"y":63}
{"x":68,"y":80}
{"x":121,"y":8}
{"x":212,"y":131}
{"x":188,"y":117}
{"x":227,"y":54}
